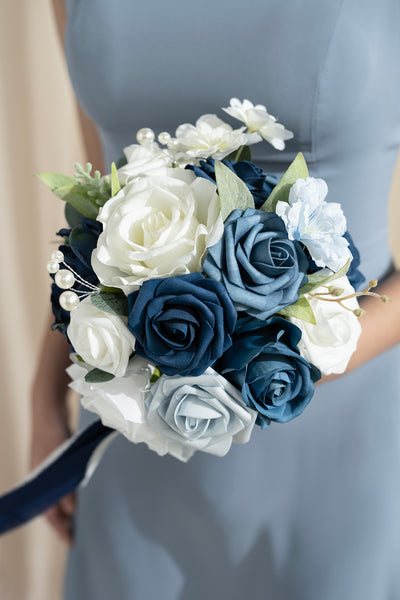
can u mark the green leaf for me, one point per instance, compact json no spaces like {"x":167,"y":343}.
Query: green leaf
{"x":317,"y":279}
{"x":233,"y":193}
{"x":56,"y":180}
{"x":72,"y":216}
{"x":300,"y":310}
{"x":297,"y":170}
{"x":71,"y":192}
{"x":242,"y":153}
{"x":156,"y":375}
{"x":115,"y":186}
{"x":105,"y":289}
{"x":116,"y":304}
{"x":98,"y":376}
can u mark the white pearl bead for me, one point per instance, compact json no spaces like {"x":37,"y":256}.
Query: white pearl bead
{"x":164,"y":138}
{"x":64,"y":279}
{"x":53,"y":266}
{"x":69,"y":300}
{"x":145,"y":136}
{"x":57,"y":255}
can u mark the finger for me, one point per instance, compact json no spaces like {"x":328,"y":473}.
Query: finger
{"x":61,"y":522}
{"x":68,"y":504}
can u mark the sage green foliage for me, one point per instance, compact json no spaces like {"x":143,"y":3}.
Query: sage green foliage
{"x":297,"y":170}
{"x":98,"y":376}
{"x":242,"y":153}
{"x":115,"y":186}
{"x":113,"y":303}
{"x":72,"y":216}
{"x":232,"y":192}
{"x":317,"y":279}
{"x":84,"y":193}
{"x":300,"y":310}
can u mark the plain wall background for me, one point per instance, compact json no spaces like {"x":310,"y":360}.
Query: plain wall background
{"x":38,"y":132}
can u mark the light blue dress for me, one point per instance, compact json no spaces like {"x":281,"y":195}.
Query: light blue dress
{"x":309,"y":510}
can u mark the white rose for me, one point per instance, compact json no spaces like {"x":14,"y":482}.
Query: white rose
{"x":330,"y":343}
{"x":143,"y":160}
{"x":120,"y":402}
{"x":100,"y":338}
{"x":260,"y":121}
{"x":157,"y":226}
{"x":211,"y":137}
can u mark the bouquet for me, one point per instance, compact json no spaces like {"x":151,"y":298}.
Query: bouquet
{"x":201,"y":296}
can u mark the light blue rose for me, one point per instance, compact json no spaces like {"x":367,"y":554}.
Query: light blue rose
{"x":199,"y":413}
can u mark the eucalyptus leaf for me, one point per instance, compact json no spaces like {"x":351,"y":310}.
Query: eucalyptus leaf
{"x":115,"y":186}
{"x":98,"y":376}
{"x":233,"y":193}
{"x":242,"y":153}
{"x":55,"y":181}
{"x":71,"y":192}
{"x":297,"y":170}
{"x":317,"y":279}
{"x":300,"y":310}
{"x":72,"y":216}
{"x":116,"y":304}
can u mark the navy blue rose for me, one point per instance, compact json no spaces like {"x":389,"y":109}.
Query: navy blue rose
{"x":260,"y":267}
{"x":259,"y":183}
{"x":354,"y":275}
{"x":182,"y":324}
{"x":79,"y":245}
{"x":264,"y":363}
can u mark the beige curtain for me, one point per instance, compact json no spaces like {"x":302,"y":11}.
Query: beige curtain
{"x":39,"y":132}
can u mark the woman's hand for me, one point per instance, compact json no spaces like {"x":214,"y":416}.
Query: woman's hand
{"x":50,"y":420}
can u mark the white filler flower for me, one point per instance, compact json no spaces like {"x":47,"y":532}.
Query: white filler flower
{"x":330,"y":343}
{"x":143,"y":160}
{"x":211,"y":137}
{"x":258,"y":120}
{"x":319,"y":225}
{"x":100,"y":338}
{"x":157,"y":226}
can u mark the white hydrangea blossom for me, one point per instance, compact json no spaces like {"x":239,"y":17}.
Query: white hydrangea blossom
{"x":318,"y":224}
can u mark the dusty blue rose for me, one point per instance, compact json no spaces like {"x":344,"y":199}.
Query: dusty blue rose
{"x":259,"y":183}
{"x":265,"y":364}
{"x":260,"y":267}
{"x":182,"y":324}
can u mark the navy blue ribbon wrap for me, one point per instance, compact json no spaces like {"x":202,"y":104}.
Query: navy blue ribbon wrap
{"x":57,"y":479}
